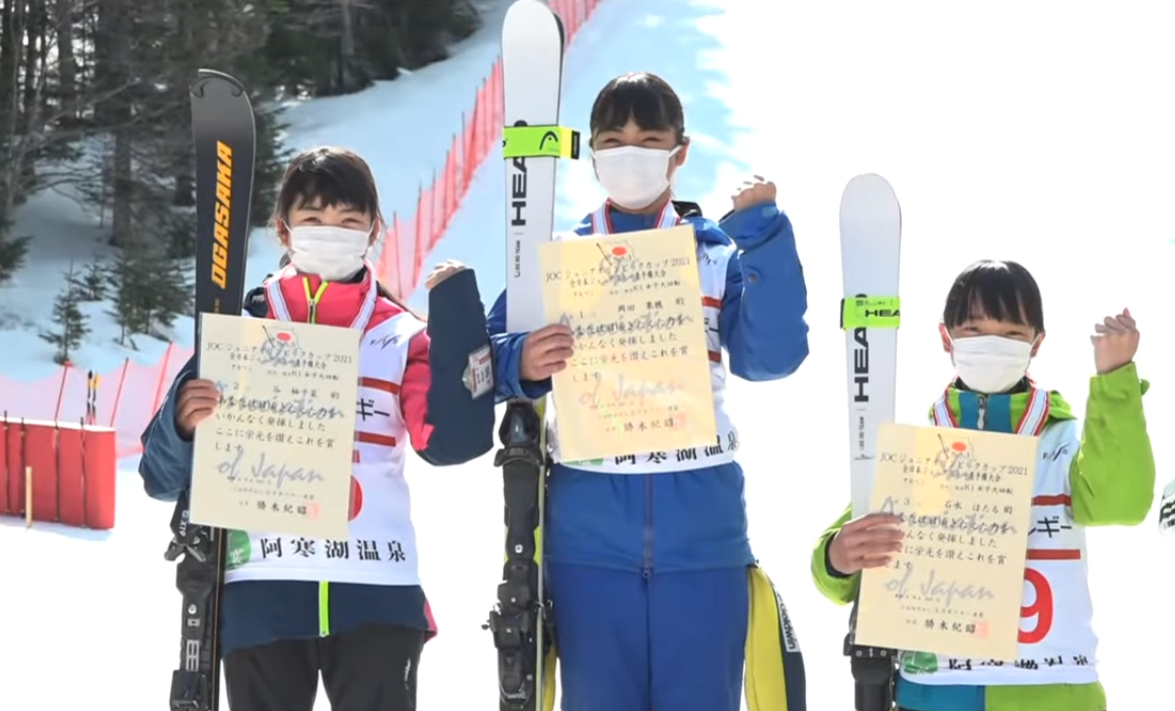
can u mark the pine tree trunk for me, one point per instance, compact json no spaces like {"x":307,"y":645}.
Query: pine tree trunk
{"x":34,"y":90}
{"x":34,"y":43}
{"x":114,"y":109}
{"x":348,"y":82}
{"x":66,"y":69}
{"x":10,"y":36}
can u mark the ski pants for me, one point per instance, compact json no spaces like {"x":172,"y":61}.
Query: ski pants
{"x":368,"y":668}
{"x":665,"y":642}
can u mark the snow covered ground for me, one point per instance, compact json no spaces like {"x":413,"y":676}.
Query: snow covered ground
{"x":1009,"y":131}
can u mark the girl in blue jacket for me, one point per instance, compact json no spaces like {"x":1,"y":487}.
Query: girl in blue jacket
{"x":647,"y":556}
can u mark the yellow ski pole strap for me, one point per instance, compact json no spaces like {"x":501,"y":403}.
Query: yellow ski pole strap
{"x":870,"y":312}
{"x":540,"y":142}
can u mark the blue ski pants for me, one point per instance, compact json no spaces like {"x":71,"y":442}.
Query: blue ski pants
{"x":665,"y":642}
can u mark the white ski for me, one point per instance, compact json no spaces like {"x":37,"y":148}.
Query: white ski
{"x":871,"y":245}
{"x":532,"y":73}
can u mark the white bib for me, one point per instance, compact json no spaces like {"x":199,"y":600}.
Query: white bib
{"x":1057,"y":642}
{"x":381,"y":547}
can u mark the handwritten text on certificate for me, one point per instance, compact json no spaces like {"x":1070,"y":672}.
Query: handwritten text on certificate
{"x":277,"y":454}
{"x":640,"y":377}
{"x":965,"y":499}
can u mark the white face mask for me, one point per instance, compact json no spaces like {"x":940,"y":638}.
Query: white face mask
{"x":990,"y":364}
{"x":633,"y":177}
{"x":333,"y":253}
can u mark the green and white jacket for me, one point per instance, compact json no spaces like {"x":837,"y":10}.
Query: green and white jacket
{"x":1099,"y":474}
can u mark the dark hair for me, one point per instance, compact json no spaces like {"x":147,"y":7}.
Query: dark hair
{"x":332,"y":177}
{"x":643,"y":98}
{"x":1003,"y":291}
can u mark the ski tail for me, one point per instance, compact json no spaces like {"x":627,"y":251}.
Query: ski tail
{"x":224,"y":134}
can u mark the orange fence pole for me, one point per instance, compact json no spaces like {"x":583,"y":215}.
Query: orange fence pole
{"x":118,"y":393}
{"x":61,"y":392}
{"x":162,"y":376}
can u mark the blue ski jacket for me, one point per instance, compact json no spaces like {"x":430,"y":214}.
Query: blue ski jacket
{"x":257,"y":612}
{"x":693,"y":520}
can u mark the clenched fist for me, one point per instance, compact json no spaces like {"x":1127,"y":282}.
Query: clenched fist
{"x":441,"y":272}
{"x":1115,"y":342}
{"x":867,"y":542}
{"x":197,"y":401}
{"x":758,"y":191}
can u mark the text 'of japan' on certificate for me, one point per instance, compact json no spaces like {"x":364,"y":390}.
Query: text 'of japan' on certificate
{"x":957,"y":586}
{"x":639,"y":380}
{"x":276,"y":456}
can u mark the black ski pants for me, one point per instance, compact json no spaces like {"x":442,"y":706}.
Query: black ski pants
{"x":368,"y":668}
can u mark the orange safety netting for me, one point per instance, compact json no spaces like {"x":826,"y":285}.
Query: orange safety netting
{"x":128,"y":396}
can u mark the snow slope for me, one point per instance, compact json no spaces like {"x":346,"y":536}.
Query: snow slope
{"x":1008,"y":131}
{"x":402,"y":128}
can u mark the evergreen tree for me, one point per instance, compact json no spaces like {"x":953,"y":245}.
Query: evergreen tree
{"x":150,"y":289}
{"x":68,"y":320}
{"x":13,"y":252}
{"x":92,"y":283}
{"x":169,"y":293}
{"x":129,"y":285}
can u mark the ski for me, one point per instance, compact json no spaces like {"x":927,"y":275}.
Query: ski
{"x":1167,"y":509}
{"x":224,"y":134}
{"x":92,"y":382}
{"x":870,"y":243}
{"x":532,"y":70}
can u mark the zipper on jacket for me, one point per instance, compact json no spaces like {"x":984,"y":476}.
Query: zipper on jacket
{"x":982,"y":417}
{"x":312,"y":300}
{"x":647,"y":563}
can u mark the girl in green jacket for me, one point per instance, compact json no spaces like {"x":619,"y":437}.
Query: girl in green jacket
{"x":1098,"y":474}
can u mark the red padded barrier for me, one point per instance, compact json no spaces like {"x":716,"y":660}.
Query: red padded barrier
{"x":73,"y":472}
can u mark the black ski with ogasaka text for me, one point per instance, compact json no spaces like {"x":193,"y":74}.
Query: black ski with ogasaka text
{"x":225,"y":140}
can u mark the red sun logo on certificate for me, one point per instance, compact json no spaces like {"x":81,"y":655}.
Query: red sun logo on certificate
{"x":356,"y":499}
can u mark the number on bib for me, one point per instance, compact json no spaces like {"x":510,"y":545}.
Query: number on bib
{"x":1041,"y":608}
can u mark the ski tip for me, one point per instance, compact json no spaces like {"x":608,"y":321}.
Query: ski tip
{"x":869,"y":198}
{"x":868,"y":185}
{"x":869,"y":180}
{"x":528,"y":11}
{"x":205,"y":76}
